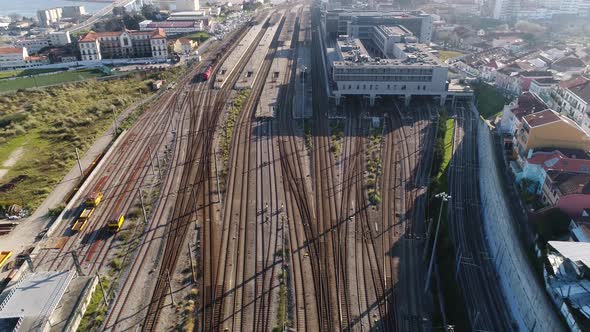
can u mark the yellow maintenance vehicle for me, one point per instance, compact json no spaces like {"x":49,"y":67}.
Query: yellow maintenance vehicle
{"x":115,"y":224}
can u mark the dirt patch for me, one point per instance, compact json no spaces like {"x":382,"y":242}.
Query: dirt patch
{"x":12,"y":183}
{"x":13,"y":158}
{"x":3,"y":172}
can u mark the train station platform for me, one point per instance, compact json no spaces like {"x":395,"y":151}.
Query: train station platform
{"x":232,"y":60}
{"x":46,"y":301}
{"x":254,"y":65}
{"x":268,"y":103}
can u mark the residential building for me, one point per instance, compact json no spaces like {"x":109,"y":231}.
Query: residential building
{"x":580,"y":226}
{"x":95,"y":46}
{"x":559,"y":184}
{"x":361,"y":23}
{"x":172,"y":27}
{"x":537,"y":166}
{"x":59,"y":38}
{"x":548,"y":129}
{"x":512,"y":114}
{"x":506,"y":10}
{"x":18,"y":58}
{"x":568,"y":281}
{"x":74,"y":12}
{"x":571,"y":98}
{"x":412,"y":71}
{"x":526,"y":77}
{"x":542,"y":87}
{"x":47,"y":17}
{"x":187,"y":5}
{"x":33,"y":46}
{"x":184,"y":45}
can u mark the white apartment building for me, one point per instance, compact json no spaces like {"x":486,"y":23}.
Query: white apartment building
{"x":411,"y":71}
{"x":506,"y":10}
{"x":18,"y":58}
{"x":47,"y":17}
{"x":32,"y":45}
{"x":59,"y":38}
{"x":572,"y":98}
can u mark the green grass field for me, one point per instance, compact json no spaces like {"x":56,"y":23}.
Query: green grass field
{"x":38,"y":81}
{"x":48,"y":124}
{"x":445,"y":55}
{"x":198,"y":36}
{"x":489,"y":100}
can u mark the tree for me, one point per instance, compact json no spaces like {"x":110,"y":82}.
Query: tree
{"x":151,"y":12}
{"x":119,"y":11}
{"x":132,"y":21}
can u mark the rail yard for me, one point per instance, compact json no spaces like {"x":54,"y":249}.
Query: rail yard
{"x":303,"y":224}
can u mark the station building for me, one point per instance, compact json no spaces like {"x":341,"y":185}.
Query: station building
{"x":396,"y":65}
{"x":361,"y":23}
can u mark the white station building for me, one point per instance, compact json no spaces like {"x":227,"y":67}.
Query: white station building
{"x":396,"y":65}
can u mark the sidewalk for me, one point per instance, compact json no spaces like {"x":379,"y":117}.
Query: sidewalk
{"x":24,"y":235}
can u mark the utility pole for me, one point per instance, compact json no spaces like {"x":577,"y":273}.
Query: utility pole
{"x":303,"y":101}
{"x":104,"y":293}
{"x":77,"y":263}
{"x":190,"y":256}
{"x":79,"y":165}
{"x":116,"y":128}
{"x":142,"y":205}
{"x":216,"y":175}
{"x":152,"y":161}
{"x":444,"y":198}
{"x":170,"y":287}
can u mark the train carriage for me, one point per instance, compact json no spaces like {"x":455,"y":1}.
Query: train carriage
{"x":115,"y":224}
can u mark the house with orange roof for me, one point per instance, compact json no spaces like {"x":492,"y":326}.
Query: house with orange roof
{"x":548,"y":129}
{"x":95,"y":46}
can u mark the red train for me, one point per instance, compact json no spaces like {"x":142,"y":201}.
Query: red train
{"x":207,"y":73}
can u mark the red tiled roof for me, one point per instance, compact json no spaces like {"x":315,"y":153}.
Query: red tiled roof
{"x":573,"y":82}
{"x":93,"y":36}
{"x":557,"y":161}
{"x":527,"y":104}
{"x":159,"y":33}
{"x":570,"y":183}
{"x":11,"y":50}
{"x":541,"y":118}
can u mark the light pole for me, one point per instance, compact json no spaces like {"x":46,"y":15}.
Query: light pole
{"x":303,"y":71}
{"x":444,"y":198}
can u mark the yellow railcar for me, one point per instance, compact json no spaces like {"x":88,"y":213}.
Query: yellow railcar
{"x":94,"y":198}
{"x":115,"y":224}
{"x":82,"y":219}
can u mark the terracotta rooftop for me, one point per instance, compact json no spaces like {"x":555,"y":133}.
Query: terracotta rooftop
{"x":541,"y":118}
{"x":573,"y":82}
{"x":582,"y":91}
{"x":528,"y":103}
{"x":557,"y":161}
{"x":570,"y":183}
{"x":11,"y":50}
{"x":93,"y":36}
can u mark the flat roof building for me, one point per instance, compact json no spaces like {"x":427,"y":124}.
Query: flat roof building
{"x":361,"y":23}
{"x":412,"y":70}
{"x":46,"y":301}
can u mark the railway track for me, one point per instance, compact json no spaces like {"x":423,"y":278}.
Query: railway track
{"x":119,"y":182}
{"x":475,"y":274}
{"x":304,"y":252}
